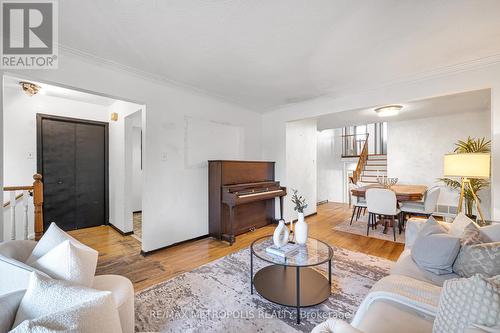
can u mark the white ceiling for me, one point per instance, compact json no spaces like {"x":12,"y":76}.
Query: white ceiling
{"x":265,"y":53}
{"x":473,"y":101}
{"x":11,"y":82}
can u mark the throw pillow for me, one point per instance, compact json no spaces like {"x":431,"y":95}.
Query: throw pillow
{"x":96,"y":315}
{"x":50,"y":239}
{"x":465,"y":303}
{"x":436,"y":252}
{"x":431,"y":226}
{"x":481,"y":258}
{"x":458,"y":225}
{"x":70,"y":263}
{"x":472,"y":235}
{"x":45,"y":296}
{"x":8,"y":308}
{"x":491,"y":232}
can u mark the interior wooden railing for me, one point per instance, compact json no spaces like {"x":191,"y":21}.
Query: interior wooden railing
{"x":35,"y":190}
{"x":363,"y":157}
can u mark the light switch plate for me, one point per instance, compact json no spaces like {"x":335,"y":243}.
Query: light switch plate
{"x":164,"y":156}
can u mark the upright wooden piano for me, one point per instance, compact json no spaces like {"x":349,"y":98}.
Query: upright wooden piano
{"x":241,"y":197}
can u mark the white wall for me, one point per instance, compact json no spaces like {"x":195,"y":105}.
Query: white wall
{"x":20,"y":128}
{"x":120,"y":166}
{"x":301,"y":164}
{"x":20,"y":160}
{"x":330,"y":177}
{"x":465,"y":77}
{"x":415,"y":149}
{"x":174,"y":197}
{"x":136,"y":169}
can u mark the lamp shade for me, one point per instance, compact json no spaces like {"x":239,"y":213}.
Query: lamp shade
{"x":471,"y":165}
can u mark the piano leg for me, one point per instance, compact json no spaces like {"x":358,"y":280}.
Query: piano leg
{"x":231,"y":221}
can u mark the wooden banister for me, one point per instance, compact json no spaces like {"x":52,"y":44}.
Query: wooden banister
{"x":37,"y":190}
{"x":38,"y":202}
{"x":18,"y":188}
{"x":363,"y":157}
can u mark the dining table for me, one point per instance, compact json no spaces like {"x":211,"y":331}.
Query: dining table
{"x":403,"y":192}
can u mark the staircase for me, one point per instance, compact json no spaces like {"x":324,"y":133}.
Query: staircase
{"x":375,"y":165}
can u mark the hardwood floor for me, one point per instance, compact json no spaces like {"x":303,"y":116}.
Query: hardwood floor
{"x":121,"y":254}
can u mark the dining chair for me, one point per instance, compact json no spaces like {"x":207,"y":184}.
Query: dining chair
{"x":359,"y":204}
{"x":425,"y":207}
{"x":383,"y":203}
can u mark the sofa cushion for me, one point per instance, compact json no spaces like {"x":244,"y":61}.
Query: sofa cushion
{"x":50,"y":239}
{"x":407,"y":267}
{"x":45,"y":296}
{"x":19,"y":249}
{"x":491,"y":232}
{"x":458,"y":225}
{"x":8,"y":308}
{"x":481,"y":258}
{"x":95,"y":315}
{"x":472,"y":235}
{"x":467,"y":302}
{"x":386,"y":316}
{"x":70,"y":263}
{"x":434,"y":249}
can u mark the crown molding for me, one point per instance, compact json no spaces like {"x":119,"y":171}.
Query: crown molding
{"x":151,"y":77}
{"x":409,"y":79}
{"x":337,"y":93}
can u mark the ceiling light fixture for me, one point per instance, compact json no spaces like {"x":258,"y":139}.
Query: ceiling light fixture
{"x":388,"y":110}
{"x":30,"y":88}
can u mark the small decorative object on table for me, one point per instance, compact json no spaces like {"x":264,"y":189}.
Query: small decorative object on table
{"x":301,"y":226}
{"x":283,"y":251}
{"x":387,"y":182}
{"x":280,"y":235}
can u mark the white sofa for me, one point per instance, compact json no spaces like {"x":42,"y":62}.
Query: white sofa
{"x":387,"y":316}
{"x":15,"y":275}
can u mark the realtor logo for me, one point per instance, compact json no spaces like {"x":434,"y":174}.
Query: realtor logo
{"x":29,"y":34}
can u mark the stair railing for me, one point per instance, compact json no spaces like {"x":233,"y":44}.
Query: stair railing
{"x":35,"y":190}
{"x":363,"y":157}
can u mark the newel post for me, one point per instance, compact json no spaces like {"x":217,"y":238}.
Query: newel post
{"x":38,"y":202}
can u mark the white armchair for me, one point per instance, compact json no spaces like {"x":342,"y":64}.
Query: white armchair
{"x":15,"y":276}
{"x":335,"y":326}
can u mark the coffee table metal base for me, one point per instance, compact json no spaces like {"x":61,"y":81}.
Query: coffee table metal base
{"x":292,"y":286}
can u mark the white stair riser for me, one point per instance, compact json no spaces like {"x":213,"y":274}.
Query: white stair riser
{"x":376,"y":167}
{"x":377,"y":157}
{"x":374,"y":173}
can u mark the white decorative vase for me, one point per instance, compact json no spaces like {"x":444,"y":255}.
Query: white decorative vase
{"x":281,"y":234}
{"x":300,"y":230}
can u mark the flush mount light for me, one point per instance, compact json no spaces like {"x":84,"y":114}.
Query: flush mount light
{"x":388,"y":110}
{"x":30,"y":88}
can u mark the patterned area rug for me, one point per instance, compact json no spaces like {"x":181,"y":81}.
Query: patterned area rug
{"x":216,"y":297}
{"x":359,"y":228}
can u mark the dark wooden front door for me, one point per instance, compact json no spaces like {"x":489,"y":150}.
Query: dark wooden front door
{"x":72,"y":158}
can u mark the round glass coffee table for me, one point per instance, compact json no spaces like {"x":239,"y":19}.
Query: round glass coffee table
{"x":291,"y":281}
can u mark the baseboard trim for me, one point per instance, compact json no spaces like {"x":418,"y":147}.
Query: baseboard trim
{"x":146,"y":253}
{"x":319,"y":203}
{"x":119,"y":231}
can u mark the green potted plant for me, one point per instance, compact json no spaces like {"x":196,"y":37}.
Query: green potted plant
{"x":471,"y":145}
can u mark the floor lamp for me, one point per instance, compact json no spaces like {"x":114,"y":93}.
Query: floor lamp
{"x":466,"y":166}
